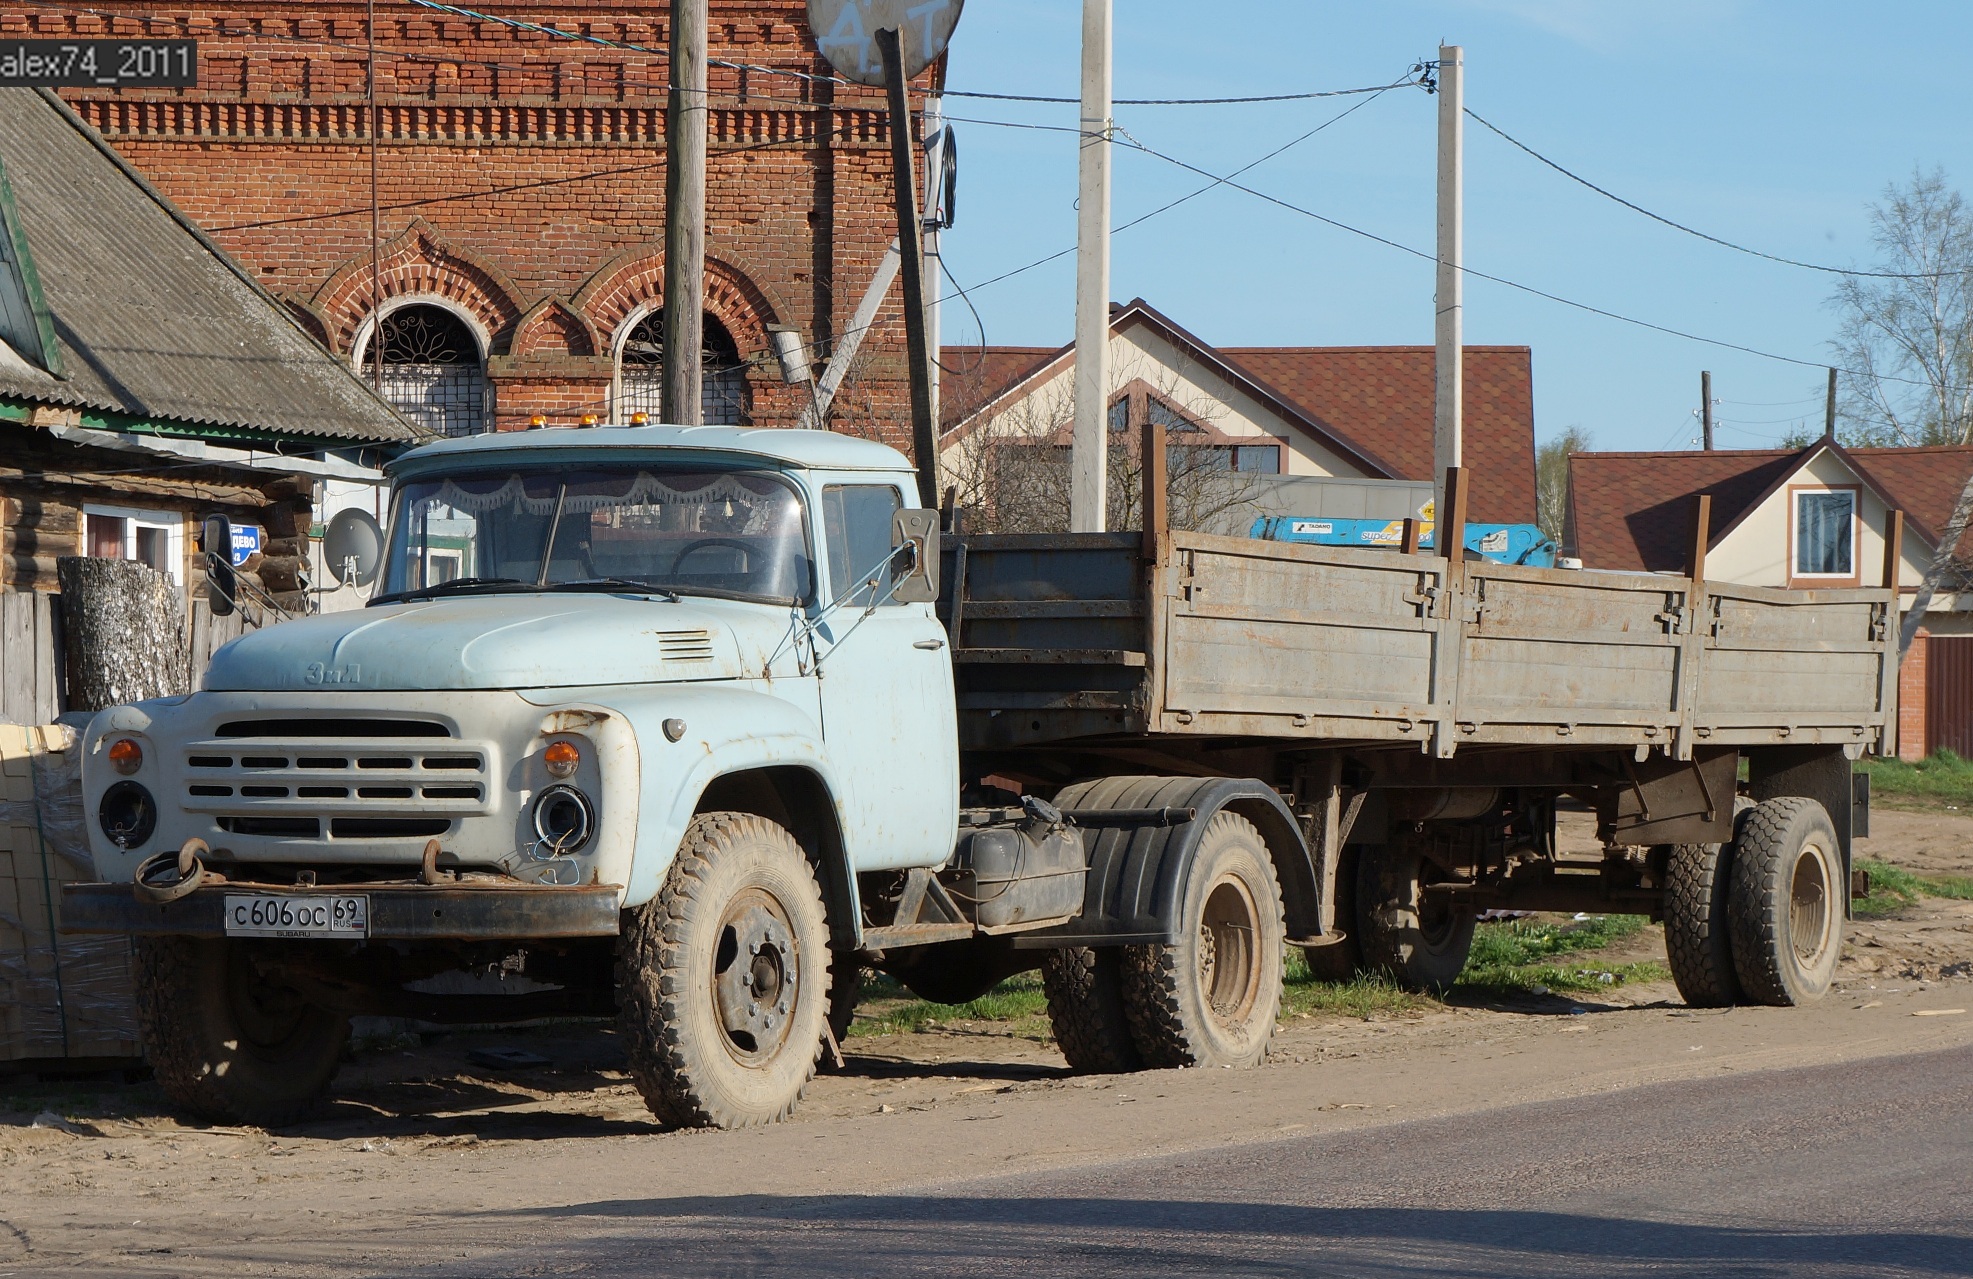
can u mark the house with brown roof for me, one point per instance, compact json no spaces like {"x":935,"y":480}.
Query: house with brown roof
{"x":1267,"y":414}
{"x":1807,"y":518}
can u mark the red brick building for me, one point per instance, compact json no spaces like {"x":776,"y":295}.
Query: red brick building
{"x":520,"y":195}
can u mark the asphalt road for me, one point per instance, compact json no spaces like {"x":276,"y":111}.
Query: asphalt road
{"x":1860,"y":1169}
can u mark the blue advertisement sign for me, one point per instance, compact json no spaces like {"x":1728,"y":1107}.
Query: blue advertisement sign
{"x":246,"y":543}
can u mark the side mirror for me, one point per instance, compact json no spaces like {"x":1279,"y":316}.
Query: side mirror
{"x":222,"y":583}
{"x":918,"y":572}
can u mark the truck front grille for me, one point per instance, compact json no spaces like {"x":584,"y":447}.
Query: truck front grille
{"x":346,"y":778}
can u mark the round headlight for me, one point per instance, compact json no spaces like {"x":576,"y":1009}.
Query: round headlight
{"x":126,"y":756}
{"x":564,"y":819}
{"x":128,"y":815}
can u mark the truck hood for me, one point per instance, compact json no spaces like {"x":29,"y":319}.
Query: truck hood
{"x":507,"y":641}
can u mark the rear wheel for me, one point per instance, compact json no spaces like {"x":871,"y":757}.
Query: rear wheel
{"x":228,"y":1039}
{"x":1211,"y":998}
{"x":1698,"y":941}
{"x":1785,"y":908}
{"x":723,"y":978}
{"x":1420,"y":942}
{"x":1086,"y":1008}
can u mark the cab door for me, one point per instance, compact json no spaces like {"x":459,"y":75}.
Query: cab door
{"x":886,"y":689}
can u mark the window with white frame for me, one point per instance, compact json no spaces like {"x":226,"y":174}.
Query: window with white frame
{"x":1825,"y":533}
{"x":154,"y":538}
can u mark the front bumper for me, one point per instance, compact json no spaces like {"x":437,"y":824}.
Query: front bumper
{"x":398,"y":912}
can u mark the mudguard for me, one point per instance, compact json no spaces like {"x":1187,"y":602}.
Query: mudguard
{"x":1138,"y":866}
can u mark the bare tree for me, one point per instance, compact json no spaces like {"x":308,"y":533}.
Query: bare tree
{"x":1908,"y":338}
{"x":1552,"y":479}
{"x":1010,"y":469}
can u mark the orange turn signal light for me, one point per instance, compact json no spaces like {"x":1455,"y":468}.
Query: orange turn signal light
{"x":639,"y":419}
{"x":537,"y":422}
{"x":126,"y":756}
{"x":589,"y":419}
{"x":561,"y":759}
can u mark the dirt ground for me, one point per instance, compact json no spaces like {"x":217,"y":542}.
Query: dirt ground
{"x":420,"y":1142}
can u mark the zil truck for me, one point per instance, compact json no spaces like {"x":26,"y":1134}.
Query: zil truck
{"x":693,"y":726}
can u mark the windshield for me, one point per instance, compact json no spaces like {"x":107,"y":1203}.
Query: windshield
{"x":673,"y":529}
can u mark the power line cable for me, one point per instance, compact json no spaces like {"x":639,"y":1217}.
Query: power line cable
{"x":1711,"y":239}
{"x":1512,"y":284}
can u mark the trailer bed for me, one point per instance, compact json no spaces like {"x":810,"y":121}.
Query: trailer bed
{"x":1077,"y":637}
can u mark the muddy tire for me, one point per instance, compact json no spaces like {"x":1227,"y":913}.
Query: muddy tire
{"x":1211,"y":998}
{"x":1418,"y":943}
{"x":845,"y":985}
{"x":225,"y":1040}
{"x":1086,"y":1007}
{"x":723,"y":978}
{"x":1698,"y":940}
{"x":1344,"y":960}
{"x":1785,"y":907}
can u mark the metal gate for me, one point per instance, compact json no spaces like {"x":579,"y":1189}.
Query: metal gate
{"x":1949,"y":694}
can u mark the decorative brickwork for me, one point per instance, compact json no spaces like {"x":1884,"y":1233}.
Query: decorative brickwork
{"x":520,"y":179}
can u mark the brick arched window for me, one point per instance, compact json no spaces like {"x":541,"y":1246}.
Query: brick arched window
{"x":640,"y":372}
{"x":434,"y":369}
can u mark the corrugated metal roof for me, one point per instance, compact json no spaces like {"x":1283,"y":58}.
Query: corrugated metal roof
{"x":153,"y":320}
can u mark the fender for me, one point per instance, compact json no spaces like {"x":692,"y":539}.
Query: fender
{"x":1137,"y":871}
{"x":728,"y":729}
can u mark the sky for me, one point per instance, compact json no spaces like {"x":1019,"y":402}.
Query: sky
{"x":1773,"y":125}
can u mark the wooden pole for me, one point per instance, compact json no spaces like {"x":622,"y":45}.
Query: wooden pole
{"x":911,"y":255}
{"x":685,"y":216}
{"x":1706,"y":411}
{"x":1152,"y":460}
{"x":1449,"y":537}
{"x":1829,"y":409}
{"x":376,"y":234}
{"x":1408,"y":540}
{"x":1893,"y":549}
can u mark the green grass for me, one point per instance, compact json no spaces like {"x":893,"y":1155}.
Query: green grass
{"x":1941,"y":779}
{"x":1303,"y":995}
{"x":886,"y":1008}
{"x":1892,"y":889}
{"x":1518,"y":957}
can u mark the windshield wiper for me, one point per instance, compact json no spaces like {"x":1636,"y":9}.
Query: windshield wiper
{"x":457,"y":585}
{"x":614,"y":584}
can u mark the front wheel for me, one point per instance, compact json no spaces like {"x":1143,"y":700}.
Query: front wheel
{"x":1211,"y":998}
{"x":227,"y":1038}
{"x":723,"y":979}
{"x":1785,"y":907}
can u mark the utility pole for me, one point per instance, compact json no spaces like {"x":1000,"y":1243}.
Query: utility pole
{"x":685,"y":216}
{"x":1829,"y":410}
{"x":1706,"y":410}
{"x":1448,"y":418}
{"x":911,"y":254}
{"x":376,"y":234}
{"x":1089,"y":446}
{"x":933,"y":114}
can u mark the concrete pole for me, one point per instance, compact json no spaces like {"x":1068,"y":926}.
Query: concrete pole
{"x":1089,"y":447}
{"x":685,"y":216}
{"x":933,"y":114}
{"x":911,"y":264}
{"x":1448,"y":417}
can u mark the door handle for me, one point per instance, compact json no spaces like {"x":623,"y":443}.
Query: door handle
{"x":931,"y":645}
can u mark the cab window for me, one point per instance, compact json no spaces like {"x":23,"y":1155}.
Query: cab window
{"x":856,"y":525}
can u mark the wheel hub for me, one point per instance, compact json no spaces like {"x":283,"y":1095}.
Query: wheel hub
{"x":1229,"y":957}
{"x":755,"y":978}
{"x":1808,"y":907}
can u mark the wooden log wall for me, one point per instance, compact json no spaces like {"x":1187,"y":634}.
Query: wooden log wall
{"x":33,"y":675}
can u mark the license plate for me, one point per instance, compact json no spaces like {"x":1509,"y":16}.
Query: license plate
{"x":312,"y":916}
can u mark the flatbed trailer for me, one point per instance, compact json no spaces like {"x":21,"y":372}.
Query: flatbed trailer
{"x":1423,"y":716}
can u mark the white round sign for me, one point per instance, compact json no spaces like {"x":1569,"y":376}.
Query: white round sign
{"x":845,"y":31}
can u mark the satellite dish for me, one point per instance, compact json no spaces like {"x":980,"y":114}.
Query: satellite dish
{"x":353,"y":548}
{"x":844,"y":31}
